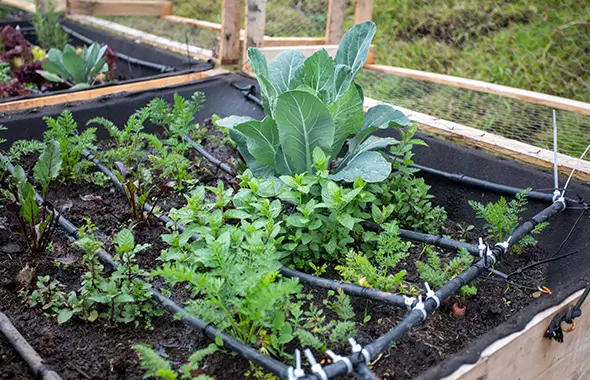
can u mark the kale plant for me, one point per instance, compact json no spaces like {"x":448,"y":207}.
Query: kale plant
{"x":502,"y":218}
{"x":313,"y":104}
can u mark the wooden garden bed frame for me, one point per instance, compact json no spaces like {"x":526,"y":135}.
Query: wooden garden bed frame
{"x":524,"y":354}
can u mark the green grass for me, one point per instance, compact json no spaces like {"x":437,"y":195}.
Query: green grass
{"x":538,"y":45}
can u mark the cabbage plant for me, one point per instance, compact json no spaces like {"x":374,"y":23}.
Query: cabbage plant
{"x":313,"y":103}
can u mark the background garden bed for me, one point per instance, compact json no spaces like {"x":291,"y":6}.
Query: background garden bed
{"x":136,"y":62}
{"x":223,"y":99}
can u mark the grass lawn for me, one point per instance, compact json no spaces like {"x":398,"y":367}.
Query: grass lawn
{"x":538,"y":45}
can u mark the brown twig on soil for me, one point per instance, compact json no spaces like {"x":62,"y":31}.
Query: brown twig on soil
{"x":25,"y":350}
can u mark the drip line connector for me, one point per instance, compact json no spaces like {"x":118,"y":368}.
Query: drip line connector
{"x":430,"y":294}
{"x":420,"y":306}
{"x":556,"y":195}
{"x":486,"y":253}
{"x":337,"y":358}
{"x":297,"y":372}
{"x":356,"y":348}
{"x":315,"y":366}
{"x":409,"y":301}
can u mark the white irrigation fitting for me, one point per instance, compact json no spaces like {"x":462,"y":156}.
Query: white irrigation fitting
{"x":409,"y":301}
{"x":315,"y":366}
{"x":356,"y":348}
{"x":556,"y":195}
{"x":297,"y":372}
{"x":430,"y":294}
{"x":420,"y":306}
{"x":337,"y":358}
{"x":486,"y":253}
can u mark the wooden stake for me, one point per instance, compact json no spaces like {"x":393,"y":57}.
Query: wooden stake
{"x":335,"y":23}
{"x":254,"y":26}
{"x":363,"y":11}
{"x":229,"y":47}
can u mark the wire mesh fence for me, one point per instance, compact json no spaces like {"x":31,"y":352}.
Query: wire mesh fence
{"x":537,"y":45}
{"x":512,"y":118}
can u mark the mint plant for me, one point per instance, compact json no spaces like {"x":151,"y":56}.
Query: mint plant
{"x":502,"y":217}
{"x":314,"y":104}
{"x":38,"y":223}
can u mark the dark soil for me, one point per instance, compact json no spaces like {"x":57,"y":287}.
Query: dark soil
{"x":80,"y":350}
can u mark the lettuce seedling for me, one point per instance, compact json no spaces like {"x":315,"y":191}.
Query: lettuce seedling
{"x":314,"y":104}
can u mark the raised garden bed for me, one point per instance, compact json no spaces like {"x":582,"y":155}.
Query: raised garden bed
{"x":101,"y":349}
{"x":134,"y":62}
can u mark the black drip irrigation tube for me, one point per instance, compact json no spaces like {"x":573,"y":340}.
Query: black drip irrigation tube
{"x":210,"y":331}
{"x":249,"y":91}
{"x":26,"y":351}
{"x":124,"y":57}
{"x":419,"y":313}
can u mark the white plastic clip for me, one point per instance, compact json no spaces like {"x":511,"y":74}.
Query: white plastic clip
{"x":431,"y":294}
{"x":298,"y":372}
{"x":504,"y":245}
{"x":315,"y":366}
{"x":556,"y":195}
{"x":409,"y":302}
{"x":358,"y":348}
{"x":420,"y":306}
{"x":337,"y":358}
{"x":486,"y":253}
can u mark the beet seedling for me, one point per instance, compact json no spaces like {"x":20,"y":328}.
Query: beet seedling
{"x":37,"y":223}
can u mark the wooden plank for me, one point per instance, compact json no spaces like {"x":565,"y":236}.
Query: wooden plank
{"x":192,"y":22}
{"x":142,"y":37}
{"x":98,"y":92}
{"x":271,"y":52}
{"x":253,"y":26}
{"x":526,"y":355}
{"x":268,"y":41}
{"x":335,"y":22}
{"x":229,"y":47}
{"x":477,"y":138}
{"x":28,"y":7}
{"x":121,"y":7}
{"x":490,"y":88}
{"x":293,"y":41}
{"x":363,"y":11}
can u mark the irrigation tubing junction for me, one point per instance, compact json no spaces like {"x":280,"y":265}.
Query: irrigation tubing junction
{"x":419,"y":308}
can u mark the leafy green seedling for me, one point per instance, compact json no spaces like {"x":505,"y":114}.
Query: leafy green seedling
{"x":37,"y":223}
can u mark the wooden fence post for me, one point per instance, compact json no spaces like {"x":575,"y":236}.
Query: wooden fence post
{"x":335,"y":23}
{"x":363,"y":11}
{"x":254,"y":26}
{"x":231,"y":19}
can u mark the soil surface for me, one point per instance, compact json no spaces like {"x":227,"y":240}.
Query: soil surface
{"x":100,"y":350}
